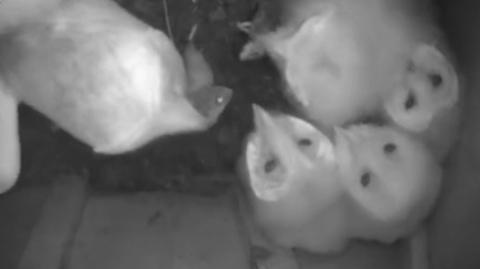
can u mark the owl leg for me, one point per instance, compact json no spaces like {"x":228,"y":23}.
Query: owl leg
{"x":9,"y":140}
{"x":252,"y":50}
{"x":245,"y":26}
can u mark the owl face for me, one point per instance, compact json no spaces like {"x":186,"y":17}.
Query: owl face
{"x":280,"y":151}
{"x":430,"y":85}
{"x":386,"y":172}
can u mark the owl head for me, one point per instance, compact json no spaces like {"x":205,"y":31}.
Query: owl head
{"x":390,"y":177}
{"x":430,"y":85}
{"x":281,"y":153}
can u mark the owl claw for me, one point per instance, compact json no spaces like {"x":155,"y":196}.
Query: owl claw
{"x":245,"y":26}
{"x":252,"y":51}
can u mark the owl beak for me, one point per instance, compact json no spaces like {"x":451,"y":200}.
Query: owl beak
{"x":282,"y":144}
{"x":266,"y":125}
{"x":260,"y":116}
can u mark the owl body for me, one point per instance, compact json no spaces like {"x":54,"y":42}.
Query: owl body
{"x":290,"y":176}
{"x":107,"y":78}
{"x":363,"y":182}
{"x":304,"y":221}
{"x":339,"y":59}
{"x":110,"y":80}
{"x":307,"y":215}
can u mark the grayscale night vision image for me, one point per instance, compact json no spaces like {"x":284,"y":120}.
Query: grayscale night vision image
{"x":239,"y":134}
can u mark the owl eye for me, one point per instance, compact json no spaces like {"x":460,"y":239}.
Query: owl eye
{"x":436,"y":80}
{"x":410,"y":102}
{"x":377,"y":120}
{"x":389,"y":148}
{"x":305,"y":142}
{"x":365,"y":179}
{"x":270,"y":165}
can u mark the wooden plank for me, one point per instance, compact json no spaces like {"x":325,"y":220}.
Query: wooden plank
{"x":262,"y":253}
{"x":206,"y":235}
{"x":359,"y":255}
{"x":157,"y":230}
{"x":51,"y":234}
{"x":19,"y":211}
{"x":123,"y":231}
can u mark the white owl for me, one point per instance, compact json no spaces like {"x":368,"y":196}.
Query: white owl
{"x":107,"y":78}
{"x":338,"y":59}
{"x":371,"y":183}
{"x":426,"y":102}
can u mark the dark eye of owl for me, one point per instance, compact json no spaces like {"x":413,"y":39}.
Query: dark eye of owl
{"x":305,"y":142}
{"x":376,"y":119}
{"x":410,"y":102}
{"x":365,"y":179}
{"x":435,"y":79}
{"x":389,"y":148}
{"x":270,"y":165}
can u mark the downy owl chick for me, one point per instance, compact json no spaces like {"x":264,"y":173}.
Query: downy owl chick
{"x":338,"y":58}
{"x":104,"y":76}
{"x":427,"y":100}
{"x":391,"y":179}
{"x":374,"y":183}
{"x":290,"y":173}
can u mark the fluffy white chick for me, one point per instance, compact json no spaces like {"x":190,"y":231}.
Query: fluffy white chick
{"x":391,"y":178}
{"x":338,"y":58}
{"x":290,"y":173}
{"x":101,"y":74}
{"x":374,"y":183}
{"x":427,"y":100}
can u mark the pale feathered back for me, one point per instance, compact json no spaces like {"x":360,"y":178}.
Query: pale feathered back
{"x":340,"y":58}
{"x":106,"y":77}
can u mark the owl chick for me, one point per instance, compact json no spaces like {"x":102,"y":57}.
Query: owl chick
{"x":288,"y":171}
{"x":104,"y":76}
{"x":338,"y":58}
{"x":391,"y":180}
{"x":373,"y":183}
{"x":426,"y":101}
